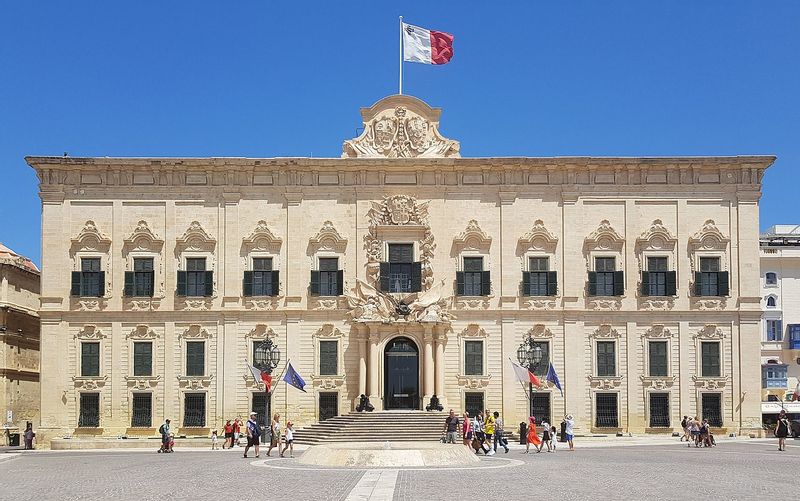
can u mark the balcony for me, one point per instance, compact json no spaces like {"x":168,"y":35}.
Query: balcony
{"x":775,"y":383}
{"x":794,"y":344}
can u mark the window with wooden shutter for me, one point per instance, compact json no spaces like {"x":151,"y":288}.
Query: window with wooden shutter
{"x":195,"y":277}
{"x":712,"y":282}
{"x":473,"y":358}
{"x":473,"y":268}
{"x":90,"y":359}
{"x":403,"y":274}
{"x":328,"y":358}
{"x":142,"y":358}
{"x":143,"y":277}
{"x":262,"y":276}
{"x":606,"y":358}
{"x":92,"y":279}
{"x":657,"y":353}
{"x":710,"y":357}
{"x":195,"y":358}
{"x":329,"y":276}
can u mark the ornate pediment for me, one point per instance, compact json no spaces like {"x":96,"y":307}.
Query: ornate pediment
{"x":328,"y":331}
{"x":261,"y":331}
{"x":539,"y":331}
{"x":195,"y":331}
{"x":709,"y":237}
{"x":328,"y":238}
{"x":143,"y":237}
{"x":657,"y":331}
{"x":262,"y":238}
{"x":474,"y":330}
{"x":473,"y":237}
{"x":400,"y":127}
{"x":90,"y":238}
{"x":657,"y":236}
{"x":538,"y":237}
{"x":710,"y":332}
{"x":605,"y":331}
{"x":196,"y":237}
{"x":142,"y":332}
{"x":604,"y":237}
{"x":90,"y":332}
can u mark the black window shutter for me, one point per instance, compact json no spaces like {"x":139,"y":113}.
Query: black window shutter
{"x":314,"y":287}
{"x":276,"y":282}
{"x":672,"y":283}
{"x":486,"y":283}
{"x":181,"y":288}
{"x":592,"y":283}
{"x":723,"y":283}
{"x":75,"y":289}
{"x":385,"y":282}
{"x":209,"y":283}
{"x":619,"y":283}
{"x":128,"y":283}
{"x":552,"y":283}
{"x":247,"y":283}
{"x":526,"y":283}
{"x":416,"y":277}
{"x":460,"y":283}
{"x":101,"y":289}
{"x":339,"y":282}
{"x":645,"y":283}
{"x":698,"y":278}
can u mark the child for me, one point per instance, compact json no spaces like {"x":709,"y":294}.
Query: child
{"x":553,"y":440}
{"x":214,"y":441}
{"x":288,"y":435}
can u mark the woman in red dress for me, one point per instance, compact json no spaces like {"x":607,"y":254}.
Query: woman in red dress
{"x":533,"y":436}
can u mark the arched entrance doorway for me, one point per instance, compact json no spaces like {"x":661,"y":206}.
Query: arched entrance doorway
{"x":401,"y":374}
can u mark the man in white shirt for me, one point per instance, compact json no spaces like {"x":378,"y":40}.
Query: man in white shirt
{"x":569,"y":430}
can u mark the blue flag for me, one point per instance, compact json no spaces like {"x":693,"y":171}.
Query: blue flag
{"x":553,"y":378}
{"x":292,"y":378}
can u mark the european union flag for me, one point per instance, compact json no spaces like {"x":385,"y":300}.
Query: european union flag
{"x":292,"y":378}
{"x":553,"y":378}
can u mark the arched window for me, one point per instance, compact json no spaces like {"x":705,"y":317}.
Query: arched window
{"x":771,"y":302}
{"x":771,"y":278}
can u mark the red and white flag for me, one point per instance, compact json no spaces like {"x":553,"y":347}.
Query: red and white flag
{"x":524,"y":375}
{"x":796,"y":394}
{"x":261,"y":377}
{"x":426,"y":46}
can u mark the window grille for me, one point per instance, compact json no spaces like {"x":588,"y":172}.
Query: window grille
{"x":89,"y":412}
{"x":540,"y":368}
{"x":710,"y":359}
{"x":606,"y":410}
{"x":90,"y":359}
{"x":473,"y":402}
{"x":712,"y":408}
{"x":195,"y":358}
{"x":473,"y":358}
{"x":143,"y":358}
{"x":540,"y":405}
{"x":659,"y":410}
{"x":262,"y":408}
{"x":328,"y":405}
{"x":328,"y":358}
{"x":194,"y":410}
{"x":142,"y":410}
{"x":658,"y":358}
{"x":606,"y":358}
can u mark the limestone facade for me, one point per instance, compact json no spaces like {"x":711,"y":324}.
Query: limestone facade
{"x":402,"y":182}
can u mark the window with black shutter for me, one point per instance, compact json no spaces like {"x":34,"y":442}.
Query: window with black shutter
{"x":330,"y":277}
{"x":711,"y":404}
{"x":606,"y":412}
{"x":195,"y":281}
{"x":710,"y":281}
{"x":328,"y":358}
{"x":195,"y":358}
{"x":89,"y":410}
{"x":604,"y":277}
{"x":606,"y":358}
{"x":710,"y":357}
{"x":142,"y":410}
{"x":398,"y":275}
{"x":473,"y":276}
{"x":659,"y":410}
{"x":139,"y":282}
{"x":657,"y":353}
{"x":90,"y":359}
{"x":539,"y":280}
{"x":194,"y":410}
{"x":473,"y":358}
{"x":262,"y":280}
{"x":142,"y":358}
{"x":92,"y":280}
{"x":654,"y":280}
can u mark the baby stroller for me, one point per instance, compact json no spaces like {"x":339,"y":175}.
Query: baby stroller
{"x":166,"y":446}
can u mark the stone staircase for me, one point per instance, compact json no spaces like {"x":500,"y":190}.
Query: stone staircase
{"x":376,"y":426}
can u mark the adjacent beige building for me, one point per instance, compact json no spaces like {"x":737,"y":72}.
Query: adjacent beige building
{"x":400,"y":271}
{"x":19,"y":340}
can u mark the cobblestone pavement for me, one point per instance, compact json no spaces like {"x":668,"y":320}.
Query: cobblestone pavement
{"x":746,"y":469}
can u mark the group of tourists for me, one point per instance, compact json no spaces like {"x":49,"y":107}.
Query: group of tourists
{"x":549,"y":436}
{"x":275,"y":434}
{"x":697,"y":432}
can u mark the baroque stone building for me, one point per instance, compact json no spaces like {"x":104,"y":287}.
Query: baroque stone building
{"x":400,"y":271}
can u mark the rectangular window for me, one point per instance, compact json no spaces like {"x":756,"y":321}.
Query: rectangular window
{"x":712,"y":282}
{"x":401,"y":257}
{"x":328,"y":358}
{"x":261,"y":406}
{"x":195,"y":358}
{"x":473,"y":358}
{"x":658,"y":358}
{"x":606,"y":358}
{"x":90,"y":277}
{"x":774,"y":330}
{"x":90,"y":359}
{"x":604,"y":268}
{"x":89,"y":412}
{"x":539,"y":277}
{"x":142,"y":410}
{"x":710,"y":359}
{"x":473,"y":402}
{"x":539,"y":264}
{"x":541,"y":358}
{"x":794,"y":336}
{"x":659,"y":410}
{"x":143,"y":358}
{"x":473,"y":272}
{"x":657,"y":274}
{"x":194,"y":410}
{"x":712,"y":408}
{"x":143,"y":277}
{"x":540,"y":405}
{"x":328,"y":405}
{"x":606,"y":410}
{"x":329,"y":276}
{"x":262,"y":277}
{"x":196,"y":276}
{"x":774,"y":376}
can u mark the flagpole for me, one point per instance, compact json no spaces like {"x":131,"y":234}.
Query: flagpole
{"x":401,"y":55}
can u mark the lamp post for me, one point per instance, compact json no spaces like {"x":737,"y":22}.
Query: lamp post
{"x":266,"y":357}
{"x":529,"y":355}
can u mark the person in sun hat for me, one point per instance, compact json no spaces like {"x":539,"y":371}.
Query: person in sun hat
{"x":569,"y":430}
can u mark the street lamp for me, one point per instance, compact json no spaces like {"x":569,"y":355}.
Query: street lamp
{"x":529,"y":353}
{"x":266,"y":357}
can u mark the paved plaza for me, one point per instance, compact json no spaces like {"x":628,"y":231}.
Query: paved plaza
{"x":738,"y":469}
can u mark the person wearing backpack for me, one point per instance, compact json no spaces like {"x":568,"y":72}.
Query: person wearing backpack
{"x":164,"y":431}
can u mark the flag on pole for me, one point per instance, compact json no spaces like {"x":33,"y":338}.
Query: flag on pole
{"x":426,"y":46}
{"x":524,"y":375}
{"x":292,"y":378}
{"x":553,"y":378}
{"x":261,"y":377}
{"x":796,"y":395}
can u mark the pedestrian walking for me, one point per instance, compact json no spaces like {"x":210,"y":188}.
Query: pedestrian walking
{"x":489,"y":425}
{"x":275,"y":433}
{"x":466,"y":430}
{"x":553,"y":440}
{"x":451,"y":427}
{"x":545,"y":435}
{"x":253,"y":434}
{"x":685,"y":427}
{"x":237,"y":428}
{"x":569,"y":430}
{"x":533,"y":436}
{"x":498,"y":432}
{"x":782,"y":430}
{"x":214,"y":446}
{"x":694,"y":430}
{"x":289,"y":438}
{"x":228,"y":430}
{"x":28,"y":436}
{"x":480,"y":434}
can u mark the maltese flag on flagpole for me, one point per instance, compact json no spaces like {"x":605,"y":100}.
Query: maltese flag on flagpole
{"x":426,"y":46}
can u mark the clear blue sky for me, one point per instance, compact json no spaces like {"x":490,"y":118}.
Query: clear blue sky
{"x":262,"y":79}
